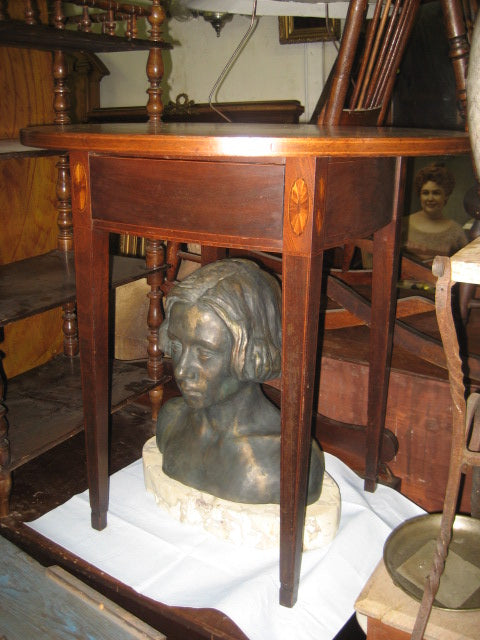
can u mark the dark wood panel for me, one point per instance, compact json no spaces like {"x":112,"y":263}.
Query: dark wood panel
{"x":243,"y":200}
{"x":37,"y":284}
{"x":356,"y":188}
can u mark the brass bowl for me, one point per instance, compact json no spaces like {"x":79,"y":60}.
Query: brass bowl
{"x":408,"y":555}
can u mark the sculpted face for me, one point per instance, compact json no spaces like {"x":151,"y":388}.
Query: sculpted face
{"x":432,"y":199}
{"x":201,"y":351}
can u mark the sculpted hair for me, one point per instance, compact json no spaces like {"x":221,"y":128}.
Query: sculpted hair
{"x":248,"y":300}
{"x":437,"y":173}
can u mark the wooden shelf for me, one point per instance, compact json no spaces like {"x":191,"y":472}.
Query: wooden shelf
{"x":34,"y":285}
{"x":45,"y":404}
{"x":14,"y":33}
{"x":13,"y":148}
{"x":43,"y":407}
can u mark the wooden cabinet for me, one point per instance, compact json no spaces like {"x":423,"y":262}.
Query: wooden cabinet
{"x":40,"y":390}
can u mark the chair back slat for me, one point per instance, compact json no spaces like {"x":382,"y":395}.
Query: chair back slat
{"x":377,"y":58}
{"x":375,"y":33}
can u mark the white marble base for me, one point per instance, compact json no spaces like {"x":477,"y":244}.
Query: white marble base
{"x":254,"y":525}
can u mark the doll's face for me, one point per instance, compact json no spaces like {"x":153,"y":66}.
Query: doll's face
{"x":432,"y":199}
{"x":201,"y":348}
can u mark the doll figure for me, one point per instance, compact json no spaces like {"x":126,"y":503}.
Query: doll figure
{"x":428,"y":233}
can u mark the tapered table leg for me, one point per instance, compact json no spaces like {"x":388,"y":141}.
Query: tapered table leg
{"x":301,"y":276}
{"x":386,"y":256}
{"x":92,"y":269}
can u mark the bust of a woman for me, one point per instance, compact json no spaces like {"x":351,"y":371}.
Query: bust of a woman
{"x":222,"y":329}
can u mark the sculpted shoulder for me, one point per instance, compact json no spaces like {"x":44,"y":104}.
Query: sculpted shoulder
{"x":170,"y":416}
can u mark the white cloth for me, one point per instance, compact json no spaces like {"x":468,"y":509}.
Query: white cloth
{"x":180,"y":565}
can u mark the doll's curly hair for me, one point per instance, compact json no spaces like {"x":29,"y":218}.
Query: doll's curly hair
{"x":437,"y":173}
{"x":248,"y":300}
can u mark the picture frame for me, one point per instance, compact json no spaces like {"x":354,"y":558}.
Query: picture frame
{"x":298,"y":29}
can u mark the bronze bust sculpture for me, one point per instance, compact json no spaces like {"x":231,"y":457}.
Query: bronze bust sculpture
{"x":222,"y":329}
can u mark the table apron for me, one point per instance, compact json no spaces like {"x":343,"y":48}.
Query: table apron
{"x":237,"y":204}
{"x":189,"y":198}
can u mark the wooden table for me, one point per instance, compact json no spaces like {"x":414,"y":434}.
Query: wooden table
{"x":294,"y":189}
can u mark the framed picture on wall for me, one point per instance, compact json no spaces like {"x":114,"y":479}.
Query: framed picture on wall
{"x":295,"y":29}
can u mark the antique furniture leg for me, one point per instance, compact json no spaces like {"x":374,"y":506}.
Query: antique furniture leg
{"x":155,"y":257}
{"x":461,"y":454}
{"x":92,"y":262}
{"x":61,"y":106}
{"x":386,"y":256}
{"x":302,"y":276}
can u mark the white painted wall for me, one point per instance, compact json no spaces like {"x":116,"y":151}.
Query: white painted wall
{"x":265,"y":70}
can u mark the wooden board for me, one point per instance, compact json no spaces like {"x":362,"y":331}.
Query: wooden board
{"x":50,"y":603}
{"x":391,"y":613}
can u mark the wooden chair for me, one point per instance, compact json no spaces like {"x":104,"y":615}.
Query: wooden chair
{"x":365,"y":69}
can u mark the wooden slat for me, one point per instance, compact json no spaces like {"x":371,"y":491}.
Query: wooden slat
{"x":50,"y":603}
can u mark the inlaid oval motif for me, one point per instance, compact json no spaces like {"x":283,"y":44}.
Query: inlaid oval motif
{"x":80,"y":185}
{"x":298,"y":206}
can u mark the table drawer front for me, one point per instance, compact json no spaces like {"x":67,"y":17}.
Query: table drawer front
{"x":225,"y":199}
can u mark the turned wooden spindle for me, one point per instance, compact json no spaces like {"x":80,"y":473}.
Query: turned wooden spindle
{"x":64,"y":206}
{"x":61,"y":105}
{"x":85,"y":23}
{"x":155,"y":64}
{"x":58,"y":17}
{"x":30,"y":16}
{"x":459,"y":49}
{"x":65,"y":245}
{"x":109,"y":25}
{"x":131,"y":30}
{"x":70,"y":329}
{"x":155,"y":257}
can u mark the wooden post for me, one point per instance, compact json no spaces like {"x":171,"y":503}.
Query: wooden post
{"x":155,"y":64}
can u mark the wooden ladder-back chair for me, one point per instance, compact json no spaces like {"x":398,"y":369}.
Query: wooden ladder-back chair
{"x":365,"y":69}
